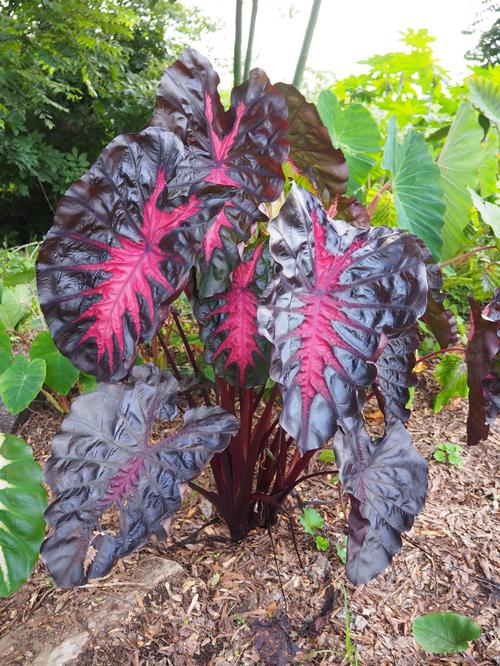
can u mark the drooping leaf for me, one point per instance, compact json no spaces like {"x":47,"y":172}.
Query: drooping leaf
{"x":311,"y":149}
{"x":22,"y":502}
{"x":118,"y":251}
{"x":388,"y":480}
{"x":61,"y":374}
{"x":417,"y":192}
{"x":457,"y":163}
{"x":451,"y":375}
{"x":442,"y":322}
{"x":15,"y":305}
{"x":445,"y":633}
{"x":338,"y":290}
{"x":5,"y":349}
{"x":311,"y":520}
{"x":485,"y":94}
{"x":242,"y":147}
{"x":103,"y":457}
{"x":228,"y":325}
{"x":354,"y":131}
{"x":21,"y":382}
{"x":395,"y":374}
{"x":482,"y":356}
{"x":488,"y":211}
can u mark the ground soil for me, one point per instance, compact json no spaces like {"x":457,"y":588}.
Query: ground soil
{"x":237,"y":603}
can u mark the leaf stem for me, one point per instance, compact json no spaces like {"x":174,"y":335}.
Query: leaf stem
{"x":370,"y":209}
{"x":251,"y":34}
{"x":237,"y":42}
{"x":53,"y":402}
{"x":466,"y":255}
{"x":306,"y":44}
{"x":421,"y":359}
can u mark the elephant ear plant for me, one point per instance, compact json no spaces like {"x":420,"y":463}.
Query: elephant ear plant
{"x":300,"y":316}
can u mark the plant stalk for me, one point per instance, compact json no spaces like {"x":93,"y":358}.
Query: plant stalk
{"x":237,"y":42}
{"x":439,"y":351}
{"x":466,"y":255}
{"x":306,"y":44}
{"x":251,"y":35}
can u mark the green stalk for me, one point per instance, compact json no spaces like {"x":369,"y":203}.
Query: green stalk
{"x":251,"y":34}
{"x":237,"y":42}
{"x":306,"y":44}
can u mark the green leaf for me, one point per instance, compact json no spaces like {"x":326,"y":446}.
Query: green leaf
{"x":21,"y":383}
{"x":353,"y":130}
{"x":488,"y":164}
{"x":456,"y":459}
{"x":445,"y":633}
{"x":5,"y":349}
{"x":485,"y":94}
{"x":322,"y":543}
{"x":15,"y":305}
{"x":411,"y":393}
{"x":341,"y":550}
{"x":385,"y":213}
{"x":458,"y":164}
{"x":417,"y":192}
{"x":439,"y":455}
{"x":451,"y":375}
{"x":87,"y":382}
{"x":19,"y":277}
{"x":22,"y":502}
{"x":489,"y":212}
{"x":327,"y":455}
{"x":311,"y":520}
{"x":61,"y":373}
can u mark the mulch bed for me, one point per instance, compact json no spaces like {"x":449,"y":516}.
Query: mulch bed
{"x":242,"y":604}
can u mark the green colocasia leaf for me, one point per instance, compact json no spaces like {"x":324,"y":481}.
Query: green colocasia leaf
{"x":341,"y":550}
{"x":385,"y":213}
{"x":22,"y":502}
{"x":489,"y":212}
{"x":458,"y":164}
{"x":311,"y":520}
{"x":322,"y":543}
{"x":87,"y":383}
{"x":445,"y":633}
{"x":21,"y":383}
{"x":5,"y":349}
{"x":353,"y":130}
{"x":418,"y":195}
{"x":61,"y":373}
{"x":485,"y":95}
{"x":487,"y":166}
{"x":451,"y":375}
{"x":15,"y":305}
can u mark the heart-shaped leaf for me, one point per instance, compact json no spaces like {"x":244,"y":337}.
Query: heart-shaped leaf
{"x":21,"y":382}
{"x":61,"y":374}
{"x":242,"y":147}
{"x":103,"y":457}
{"x":22,"y":502}
{"x":388,"y":481}
{"x":121,"y":246}
{"x":338,"y":290}
{"x":228,"y":324}
{"x":15,"y":305}
{"x":445,"y":633}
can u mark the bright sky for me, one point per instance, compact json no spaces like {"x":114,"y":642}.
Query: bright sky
{"x":347,"y":31}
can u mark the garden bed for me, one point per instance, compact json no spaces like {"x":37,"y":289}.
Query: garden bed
{"x":215,"y":611}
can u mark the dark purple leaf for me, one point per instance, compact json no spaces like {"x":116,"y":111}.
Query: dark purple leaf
{"x":340,"y":288}
{"x":242,"y":147}
{"x":228,"y":324}
{"x":482,"y":356}
{"x":388,"y":480}
{"x":272,"y":640}
{"x":311,"y":149}
{"x":350,"y":210}
{"x":220,"y":252}
{"x":395,"y":374}
{"x":119,"y":250}
{"x":103,"y":457}
{"x":441,"y":322}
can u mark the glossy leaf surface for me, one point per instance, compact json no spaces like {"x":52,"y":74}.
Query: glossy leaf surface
{"x":118,"y":251}
{"x":388,"y":480}
{"x":338,"y":290}
{"x":242,"y":147}
{"x":482,"y":356}
{"x":103,"y":456}
{"x":228,"y":324}
{"x":311,"y":149}
{"x":22,"y":502}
